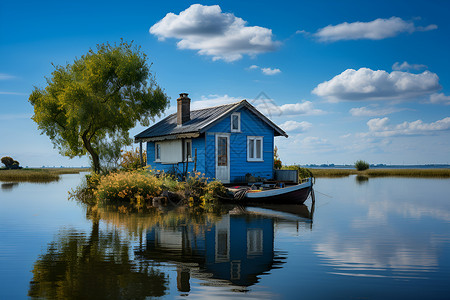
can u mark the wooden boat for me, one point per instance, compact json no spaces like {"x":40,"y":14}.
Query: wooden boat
{"x":291,"y":194}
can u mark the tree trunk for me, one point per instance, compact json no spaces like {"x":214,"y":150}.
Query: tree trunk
{"x":94,"y":155}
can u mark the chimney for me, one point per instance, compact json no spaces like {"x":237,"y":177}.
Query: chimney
{"x":183,"y":109}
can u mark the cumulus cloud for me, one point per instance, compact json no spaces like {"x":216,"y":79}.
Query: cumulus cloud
{"x":372,"y":112}
{"x":214,"y":33}
{"x":375,"y":30}
{"x":294,"y":126}
{"x":440,"y":98}
{"x":405,"y":66}
{"x":270,"y":71}
{"x":366,"y":84}
{"x":269,"y":107}
{"x":380,"y":127}
{"x":265,"y":71}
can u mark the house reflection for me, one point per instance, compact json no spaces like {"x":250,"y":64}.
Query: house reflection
{"x":236,"y":249}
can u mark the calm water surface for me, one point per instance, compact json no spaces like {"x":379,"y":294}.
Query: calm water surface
{"x":382,"y":238}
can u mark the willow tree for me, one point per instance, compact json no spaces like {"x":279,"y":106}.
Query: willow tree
{"x":89,"y":106}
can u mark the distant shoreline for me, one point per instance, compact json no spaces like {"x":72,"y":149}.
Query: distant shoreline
{"x":37,"y":174}
{"x":378,"y":166}
{"x":383,"y":172}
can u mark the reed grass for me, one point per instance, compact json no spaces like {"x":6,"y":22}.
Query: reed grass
{"x":37,"y":175}
{"x":421,"y":173}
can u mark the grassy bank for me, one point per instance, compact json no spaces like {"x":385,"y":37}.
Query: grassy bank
{"x":37,"y":175}
{"x":424,"y":173}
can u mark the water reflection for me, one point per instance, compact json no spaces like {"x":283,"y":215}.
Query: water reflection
{"x":97,"y":266}
{"x":235,"y":249}
{"x":393,"y":229}
{"x":361,"y":179}
{"x":9,"y":186}
{"x":232,"y":247}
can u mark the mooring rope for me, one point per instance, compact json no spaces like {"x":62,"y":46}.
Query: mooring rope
{"x":240,"y":194}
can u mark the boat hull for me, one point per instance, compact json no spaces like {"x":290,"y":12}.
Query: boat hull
{"x":296,"y":194}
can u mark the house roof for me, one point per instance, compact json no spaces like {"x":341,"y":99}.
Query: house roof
{"x":201,"y":121}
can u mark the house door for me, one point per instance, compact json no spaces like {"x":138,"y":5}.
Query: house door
{"x":223,"y":158}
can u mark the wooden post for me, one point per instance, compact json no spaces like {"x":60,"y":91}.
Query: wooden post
{"x":195,"y":160}
{"x":140,"y":154}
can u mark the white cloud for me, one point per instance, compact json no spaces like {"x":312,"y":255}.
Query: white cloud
{"x":375,"y":30}
{"x":270,"y":71}
{"x":366,"y":84}
{"x":405,"y":66}
{"x":315,"y":143}
{"x":4,"y":76}
{"x":213,"y":100}
{"x":269,"y":107}
{"x":304,"y":32}
{"x":214,"y":33}
{"x":381,"y":128}
{"x":372,"y":112}
{"x":265,"y":71}
{"x":294,"y":126}
{"x":439,"y":98}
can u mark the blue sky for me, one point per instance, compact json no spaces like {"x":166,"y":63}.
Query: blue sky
{"x":347,"y":80}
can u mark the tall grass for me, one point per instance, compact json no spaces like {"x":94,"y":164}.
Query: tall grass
{"x":37,"y":175}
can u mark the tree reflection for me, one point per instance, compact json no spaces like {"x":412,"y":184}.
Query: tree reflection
{"x":94,"y":267}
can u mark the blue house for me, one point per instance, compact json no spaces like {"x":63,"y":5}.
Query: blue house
{"x":224,"y":142}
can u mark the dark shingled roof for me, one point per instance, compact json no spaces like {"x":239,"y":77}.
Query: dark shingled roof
{"x":201,"y":120}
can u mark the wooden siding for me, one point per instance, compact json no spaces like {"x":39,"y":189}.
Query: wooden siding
{"x":251,"y":125}
{"x":198,"y":143}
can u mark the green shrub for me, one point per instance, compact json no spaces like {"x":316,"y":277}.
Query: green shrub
{"x":10,"y":163}
{"x":215,"y":189}
{"x":133,"y":187}
{"x":361,"y":165}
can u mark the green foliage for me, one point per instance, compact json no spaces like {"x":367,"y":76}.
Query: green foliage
{"x":131,"y":160}
{"x":195,"y":185}
{"x":361,"y":165}
{"x":215,"y":189}
{"x":89,"y":106}
{"x":133,"y":187}
{"x":276,"y":159}
{"x":302,"y":172}
{"x":10,"y":163}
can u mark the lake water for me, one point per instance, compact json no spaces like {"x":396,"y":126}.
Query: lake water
{"x":382,"y":238}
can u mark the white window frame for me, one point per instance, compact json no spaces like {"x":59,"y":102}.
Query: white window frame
{"x":254,"y":158}
{"x":239,"y":122}
{"x":157,"y":159}
{"x":185,"y":149}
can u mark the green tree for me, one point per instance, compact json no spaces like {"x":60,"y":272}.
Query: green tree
{"x":361,"y":165}
{"x":89,"y":106}
{"x":10,"y":163}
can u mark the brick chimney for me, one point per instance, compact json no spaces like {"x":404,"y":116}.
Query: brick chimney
{"x":183,"y":109}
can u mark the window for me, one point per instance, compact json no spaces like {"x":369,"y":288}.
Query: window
{"x":222,"y":155}
{"x":187,"y":150}
{"x":254,"y":241}
{"x":254,"y":148}
{"x":169,"y":152}
{"x":157,"y":152}
{"x":236,"y":122}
